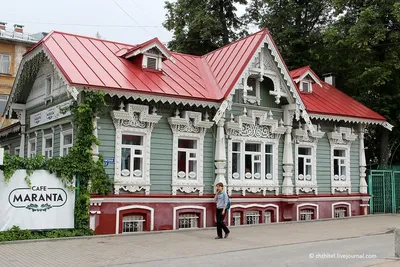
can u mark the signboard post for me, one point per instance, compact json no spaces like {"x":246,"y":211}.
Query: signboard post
{"x":47,"y":204}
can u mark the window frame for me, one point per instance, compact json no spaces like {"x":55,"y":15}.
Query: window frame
{"x":194,"y":217}
{"x":134,"y":119}
{"x":62,"y":145}
{"x":302,"y":182}
{"x":1,"y":64}
{"x":44,"y":149}
{"x":30,"y":141}
{"x":343,"y":182}
{"x":132,"y":152}
{"x":270,"y":183}
{"x":141,"y":222}
{"x":187,"y":152}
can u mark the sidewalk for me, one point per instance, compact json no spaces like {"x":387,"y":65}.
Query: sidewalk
{"x":193,"y":244}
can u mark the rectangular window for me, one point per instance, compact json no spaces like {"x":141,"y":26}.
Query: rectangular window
{"x":340,"y":212}
{"x":268,"y":217}
{"x":187,"y":159}
{"x":49,"y":86}
{"x":253,"y":161}
{"x":236,"y":151}
{"x":5,"y":63}
{"x":32,"y":148}
{"x":48,"y":146}
{"x":339,"y":162}
{"x":66,"y":142}
{"x":269,"y":156}
{"x":132,"y":152}
{"x":132,"y":223}
{"x":304,"y":160}
{"x":306,"y":215}
{"x":252,"y":83}
{"x":252,"y":217}
{"x":188,"y":220}
{"x":236,"y":218}
{"x":151,"y":63}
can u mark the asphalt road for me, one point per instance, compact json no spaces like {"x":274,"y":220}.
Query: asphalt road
{"x":363,"y":251}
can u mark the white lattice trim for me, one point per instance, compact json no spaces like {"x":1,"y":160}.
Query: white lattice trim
{"x":256,"y":186}
{"x":163,"y":99}
{"x":342,"y":183}
{"x":278,"y":86}
{"x":134,"y":120}
{"x":351,"y":119}
{"x":305,"y":183}
{"x":190,"y":126}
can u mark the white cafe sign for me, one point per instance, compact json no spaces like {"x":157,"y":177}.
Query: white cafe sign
{"x":50,"y":114}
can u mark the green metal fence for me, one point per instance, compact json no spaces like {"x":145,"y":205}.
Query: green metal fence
{"x":384,"y":187}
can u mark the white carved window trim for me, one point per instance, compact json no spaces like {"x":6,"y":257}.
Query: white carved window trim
{"x":304,"y":183}
{"x":133,"y":120}
{"x":31,"y":153}
{"x":62,"y":145}
{"x":189,"y":126}
{"x":343,"y":182}
{"x":271,"y":183}
{"x":303,"y":138}
{"x":341,"y":138}
{"x":47,"y":150}
{"x":254,"y":126}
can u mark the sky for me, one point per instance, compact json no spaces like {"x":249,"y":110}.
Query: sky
{"x":126,"y":21}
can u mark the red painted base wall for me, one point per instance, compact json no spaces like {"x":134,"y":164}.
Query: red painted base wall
{"x":158,"y":211}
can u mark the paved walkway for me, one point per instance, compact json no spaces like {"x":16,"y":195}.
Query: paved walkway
{"x":365,"y":241}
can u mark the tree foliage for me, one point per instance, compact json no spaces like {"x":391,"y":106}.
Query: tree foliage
{"x":296,"y":26}
{"x":201,"y":26}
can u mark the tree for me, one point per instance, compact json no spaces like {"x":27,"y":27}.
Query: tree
{"x":364,"y":45}
{"x":296,"y":27}
{"x":201,"y":26}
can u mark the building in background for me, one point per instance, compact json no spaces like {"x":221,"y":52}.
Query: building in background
{"x":13,"y":45}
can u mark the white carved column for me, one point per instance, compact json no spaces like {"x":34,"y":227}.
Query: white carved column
{"x":220,"y":154}
{"x":363,"y":164}
{"x":287,"y":184}
{"x":95,"y":148}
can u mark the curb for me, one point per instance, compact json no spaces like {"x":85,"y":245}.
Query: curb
{"x":197,"y":229}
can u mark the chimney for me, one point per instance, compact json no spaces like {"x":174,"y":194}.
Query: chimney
{"x":18,"y":28}
{"x":329,"y":78}
{"x":3,"y":26}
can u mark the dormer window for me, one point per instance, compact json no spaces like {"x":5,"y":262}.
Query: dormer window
{"x":306,"y":86}
{"x":151,"y":54}
{"x":151,"y":63}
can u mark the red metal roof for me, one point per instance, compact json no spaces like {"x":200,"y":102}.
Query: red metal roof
{"x":330,"y":100}
{"x":92,"y":62}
